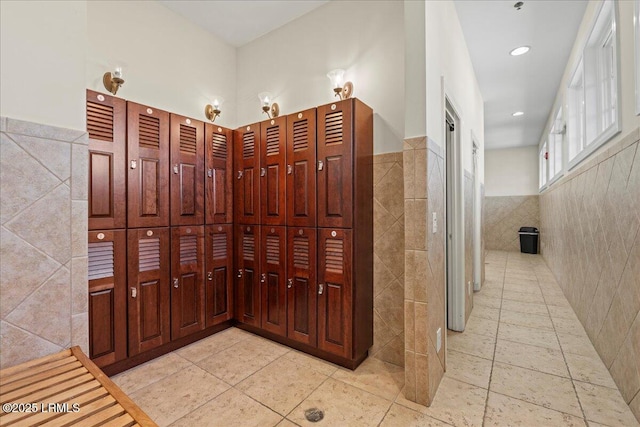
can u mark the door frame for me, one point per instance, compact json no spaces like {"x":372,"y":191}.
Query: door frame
{"x":477,"y":208}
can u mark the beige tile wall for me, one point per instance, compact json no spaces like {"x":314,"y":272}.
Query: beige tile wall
{"x":43,"y":243}
{"x":388,"y":258}
{"x":503,"y":218}
{"x":591,"y":228}
{"x":424,"y":269}
{"x":468,"y":243}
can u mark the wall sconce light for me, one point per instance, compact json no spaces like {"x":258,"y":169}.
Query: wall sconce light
{"x":112,"y":82}
{"x":272,"y":109}
{"x":213,"y":111}
{"x":341,"y":88}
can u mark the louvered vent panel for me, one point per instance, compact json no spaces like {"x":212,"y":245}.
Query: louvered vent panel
{"x":301,"y":252}
{"x":219,"y":246}
{"x":273,"y":146}
{"x":100,"y":260}
{"x":300,"y":135}
{"x":334,"y":255}
{"x":333,"y":128}
{"x":188,"y":250}
{"x":149,"y":132}
{"x":100,"y":121}
{"x":149,"y":254}
{"x":188,"y":139}
{"x":219,"y":146}
{"x":248,"y":145}
{"x":248,"y":245}
{"x":273,"y":250}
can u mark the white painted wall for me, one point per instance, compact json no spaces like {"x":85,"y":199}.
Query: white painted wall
{"x":42,"y":62}
{"x":511,"y":172}
{"x":168,"y":62}
{"x":415,"y":92}
{"x":366,"y":38}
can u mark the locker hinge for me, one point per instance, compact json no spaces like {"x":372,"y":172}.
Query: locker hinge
{"x":289,"y":283}
{"x":289,"y":169}
{"x":134,"y":164}
{"x":263,"y":278}
{"x":210,"y":173}
{"x":320,"y":288}
{"x":134,"y":292}
{"x":239,"y":174}
{"x":209,"y":275}
{"x":175,"y":169}
{"x":320,"y":165}
{"x":263,"y":171}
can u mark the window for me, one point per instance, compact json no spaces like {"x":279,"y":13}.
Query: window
{"x":575,"y":108}
{"x":542,"y":169}
{"x":556,"y":138}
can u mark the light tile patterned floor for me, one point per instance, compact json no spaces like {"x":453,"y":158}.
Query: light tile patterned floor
{"x":524,"y":360}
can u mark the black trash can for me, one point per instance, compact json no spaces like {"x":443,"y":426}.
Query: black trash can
{"x":528,"y":240}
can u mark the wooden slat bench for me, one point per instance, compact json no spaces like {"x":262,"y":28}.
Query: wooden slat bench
{"x":65,"y":389}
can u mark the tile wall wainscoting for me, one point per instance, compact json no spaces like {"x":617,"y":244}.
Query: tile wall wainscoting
{"x":468,"y":243}
{"x":424,"y":269}
{"x":503,"y":218}
{"x":388,"y":258}
{"x":43,"y":274}
{"x":591,"y":222}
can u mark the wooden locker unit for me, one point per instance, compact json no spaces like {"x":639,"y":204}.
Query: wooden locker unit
{"x":273,"y":279}
{"x":219,"y":273}
{"x":107,"y":296}
{"x":187,"y":280}
{"x":301,"y":169}
{"x":301,"y":285}
{"x":273,"y":152}
{"x":248,"y":274}
{"x":219,"y":177}
{"x":246,"y":156}
{"x":148,"y":166}
{"x":149,"y":288}
{"x":187,"y":171}
{"x":107,"y":128}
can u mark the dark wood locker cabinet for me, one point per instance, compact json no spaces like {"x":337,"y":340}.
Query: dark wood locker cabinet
{"x":148,"y":166}
{"x":107,"y":127}
{"x":273,"y":151}
{"x":301,"y":169}
{"x":107,"y":296}
{"x":149,"y":288}
{"x":219,"y":273}
{"x":248,"y":274}
{"x":246,"y":156}
{"x":187,"y":171}
{"x":187,"y":280}
{"x":301,"y":285}
{"x":273,"y":267}
{"x":218,"y":181}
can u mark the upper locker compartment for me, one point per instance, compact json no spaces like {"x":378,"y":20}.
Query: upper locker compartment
{"x":148,"y":166}
{"x":246,"y":157}
{"x":187,"y":171}
{"x":218,"y":181}
{"x":106,"y":125}
{"x":273,"y":134}
{"x":301,"y":169}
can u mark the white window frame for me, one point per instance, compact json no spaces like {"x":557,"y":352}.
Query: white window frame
{"x":598,"y":89}
{"x":542,"y":167}
{"x":576,"y":115}
{"x":555,"y":148}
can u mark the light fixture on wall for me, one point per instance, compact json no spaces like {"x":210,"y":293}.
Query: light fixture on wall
{"x":212,"y":111}
{"x":341,"y":88}
{"x":112,"y":82}
{"x":271,"y":109}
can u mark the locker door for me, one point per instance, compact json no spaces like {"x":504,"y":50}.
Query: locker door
{"x":187,"y":284}
{"x":335,"y":318}
{"x":301,"y":169}
{"x":301,"y":285}
{"x":148,"y":166}
{"x":218,"y":181}
{"x":187,"y":171}
{"x":149,"y":288}
{"x":247,"y":274}
{"x":246,"y":156}
{"x":219,"y":266}
{"x":273,"y":279}
{"x":335,"y":166}
{"x":107,"y":128}
{"x":107,"y":296}
{"x":273,"y":150}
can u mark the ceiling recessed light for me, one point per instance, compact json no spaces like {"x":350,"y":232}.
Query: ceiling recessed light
{"x":517,"y":113}
{"x":519,"y":51}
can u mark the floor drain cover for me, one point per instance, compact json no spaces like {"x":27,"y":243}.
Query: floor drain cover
{"x":314,"y":415}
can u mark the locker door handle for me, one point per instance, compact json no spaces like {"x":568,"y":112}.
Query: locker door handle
{"x":175,"y":169}
{"x":209,"y":276}
{"x":263,"y":277}
{"x":320,"y":288}
{"x":134,"y":164}
{"x":263,"y":171}
{"x":289,"y":283}
{"x":176,"y":282}
{"x":134,"y":292}
{"x":320,"y":165}
{"x":210,"y":173}
{"x":239,"y":174}
{"x":289,"y":169}
{"x":239,"y":273}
